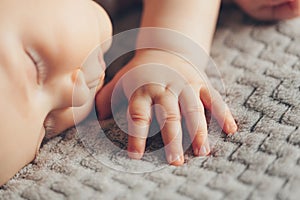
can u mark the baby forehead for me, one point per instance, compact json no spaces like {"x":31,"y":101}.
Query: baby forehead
{"x":62,"y":49}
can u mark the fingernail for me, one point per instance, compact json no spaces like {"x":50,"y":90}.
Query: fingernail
{"x":231,"y":128}
{"x":174,"y":158}
{"x":203,"y":151}
{"x":133,"y":154}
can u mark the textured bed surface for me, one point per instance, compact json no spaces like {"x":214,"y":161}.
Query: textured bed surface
{"x":260,"y":66}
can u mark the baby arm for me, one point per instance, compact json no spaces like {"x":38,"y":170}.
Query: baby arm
{"x":270,"y":9}
{"x":196,"y":22}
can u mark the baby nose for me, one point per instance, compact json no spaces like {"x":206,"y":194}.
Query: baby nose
{"x":71,"y":90}
{"x":84,"y":82}
{"x":81,"y":90}
{"x":93,"y":67}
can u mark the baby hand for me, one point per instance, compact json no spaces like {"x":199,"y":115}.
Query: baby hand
{"x":175,"y":89}
{"x":270,"y":9}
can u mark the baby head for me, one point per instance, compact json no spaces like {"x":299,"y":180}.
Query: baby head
{"x":43,"y":75}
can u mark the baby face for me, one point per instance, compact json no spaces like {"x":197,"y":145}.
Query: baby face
{"x":43,"y":46}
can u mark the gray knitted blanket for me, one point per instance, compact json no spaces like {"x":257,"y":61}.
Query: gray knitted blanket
{"x":260,"y":67}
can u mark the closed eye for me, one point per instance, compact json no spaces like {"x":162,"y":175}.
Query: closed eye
{"x":39,"y":65}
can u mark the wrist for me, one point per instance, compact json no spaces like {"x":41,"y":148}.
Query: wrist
{"x":153,"y":55}
{"x":170,"y":40}
{"x":174,"y":43}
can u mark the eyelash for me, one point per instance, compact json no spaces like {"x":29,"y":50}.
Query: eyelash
{"x":38,"y":62}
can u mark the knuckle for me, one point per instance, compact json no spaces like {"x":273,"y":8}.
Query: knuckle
{"x":199,"y":137}
{"x":136,"y":142}
{"x":152,"y":89}
{"x":169,"y":117}
{"x":173,"y":142}
{"x":140,"y":118}
{"x":201,"y":133}
{"x":194,"y":109}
